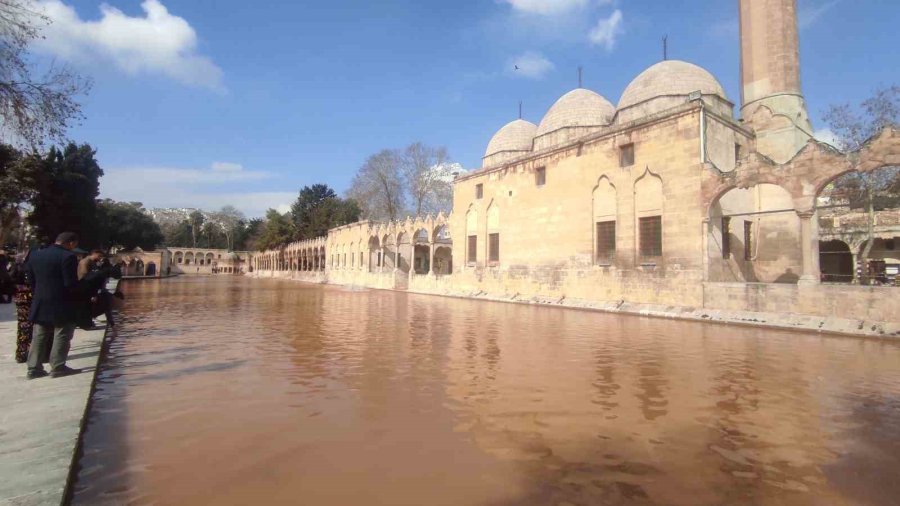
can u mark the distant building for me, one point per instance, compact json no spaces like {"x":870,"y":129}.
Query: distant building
{"x":186,"y":261}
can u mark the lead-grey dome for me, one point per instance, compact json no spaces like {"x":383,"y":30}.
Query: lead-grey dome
{"x":578,"y":108}
{"x":516,"y":135}
{"x":668,"y":78}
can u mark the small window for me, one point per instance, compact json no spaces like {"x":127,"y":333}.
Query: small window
{"x":650,"y":236}
{"x":890,"y":244}
{"x":626,"y":155}
{"x":494,"y":247}
{"x":479,"y":191}
{"x":748,"y":240}
{"x":726,"y":237}
{"x":737,"y":152}
{"x":472,"y":257}
{"x":606,"y":241}
{"x":540,"y":176}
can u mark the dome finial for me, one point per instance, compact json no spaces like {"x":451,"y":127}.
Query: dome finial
{"x":580,"y":70}
{"x":665,"y":42}
{"x":520,"y":109}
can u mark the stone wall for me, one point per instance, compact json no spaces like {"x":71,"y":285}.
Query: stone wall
{"x":857,"y":303}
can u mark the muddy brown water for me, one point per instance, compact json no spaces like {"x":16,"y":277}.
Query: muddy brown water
{"x":241,"y":391}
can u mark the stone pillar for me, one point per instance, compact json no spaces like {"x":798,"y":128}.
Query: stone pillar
{"x":704,"y":245}
{"x":412,"y":258}
{"x":809,"y":246}
{"x":431,"y":258}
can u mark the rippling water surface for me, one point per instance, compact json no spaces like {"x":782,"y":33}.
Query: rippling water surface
{"x":241,"y":391}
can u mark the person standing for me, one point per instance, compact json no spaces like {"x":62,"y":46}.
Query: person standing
{"x":53,"y":273}
{"x":7,"y":288}
{"x":89,"y":263}
{"x":23,"y":308}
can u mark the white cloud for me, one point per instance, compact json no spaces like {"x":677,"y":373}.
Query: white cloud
{"x":546,"y":7}
{"x":810,"y":11}
{"x":827,"y":136}
{"x":607,"y":31}
{"x":530,"y":65}
{"x":155,"y":43}
{"x":227,"y":167}
{"x":208,"y":189}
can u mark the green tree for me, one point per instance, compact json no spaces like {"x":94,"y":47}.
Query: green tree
{"x":318,"y":209}
{"x":126,"y":225}
{"x":196,"y":220}
{"x":17,"y":187}
{"x":67,"y":184}
{"x":212,"y":236}
{"x":247,"y":235}
{"x":178,"y":235}
{"x":277,"y":231}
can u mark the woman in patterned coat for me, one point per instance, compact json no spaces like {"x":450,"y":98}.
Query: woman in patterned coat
{"x":23,"y":306}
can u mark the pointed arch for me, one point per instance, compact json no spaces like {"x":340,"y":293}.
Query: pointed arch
{"x":648,"y":214}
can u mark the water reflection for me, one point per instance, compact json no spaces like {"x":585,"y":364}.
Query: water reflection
{"x":232,"y":391}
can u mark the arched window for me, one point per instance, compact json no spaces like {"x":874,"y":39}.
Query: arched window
{"x":493,"y":233}
{"x":648,"y":202}
{"x":605,"y":215}
{"x":472,"y":236}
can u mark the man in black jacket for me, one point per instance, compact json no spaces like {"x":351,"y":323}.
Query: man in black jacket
{"x":53,"y":273}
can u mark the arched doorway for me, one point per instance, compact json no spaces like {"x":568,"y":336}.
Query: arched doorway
{"x":754,"y":236}
{"x":151,"y":269}
{"x":836,"y":262}
{"x":421,"y":252}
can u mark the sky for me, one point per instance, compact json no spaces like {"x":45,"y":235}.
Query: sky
{"x":203,"y":103}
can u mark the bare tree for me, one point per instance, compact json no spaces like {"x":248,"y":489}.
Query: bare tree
{"x":427,"y":174}
{"x":229,"y":218}
{"x":33,"y":108}
{"x":853,"y":128}
{"x":378,"y":187}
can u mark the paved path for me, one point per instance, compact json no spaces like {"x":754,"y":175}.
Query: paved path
{"x":40,"y":420}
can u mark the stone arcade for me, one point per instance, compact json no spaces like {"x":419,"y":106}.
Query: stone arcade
{"x":665,"y":203}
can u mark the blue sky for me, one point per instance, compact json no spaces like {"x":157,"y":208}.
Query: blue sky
{"x":201,"y":103}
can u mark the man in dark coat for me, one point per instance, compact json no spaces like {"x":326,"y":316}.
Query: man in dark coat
{"x":53,"y":273}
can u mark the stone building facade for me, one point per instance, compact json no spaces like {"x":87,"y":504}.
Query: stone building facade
{"x":665,"y":200}
{"x":186,"y":261}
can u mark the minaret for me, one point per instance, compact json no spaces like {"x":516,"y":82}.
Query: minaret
{"x":771,"y":98}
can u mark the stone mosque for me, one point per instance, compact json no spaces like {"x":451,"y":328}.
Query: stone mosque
{"x":668,"y":203}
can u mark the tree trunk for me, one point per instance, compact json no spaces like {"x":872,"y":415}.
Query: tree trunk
{"x":870,"y":233}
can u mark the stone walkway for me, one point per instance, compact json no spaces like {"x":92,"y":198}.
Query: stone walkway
{"x":40,"y":420}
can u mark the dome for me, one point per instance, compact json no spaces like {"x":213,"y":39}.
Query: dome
{"x":516,"y":135}
{"x":577,"y":108}
{"x":670,"y":77}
